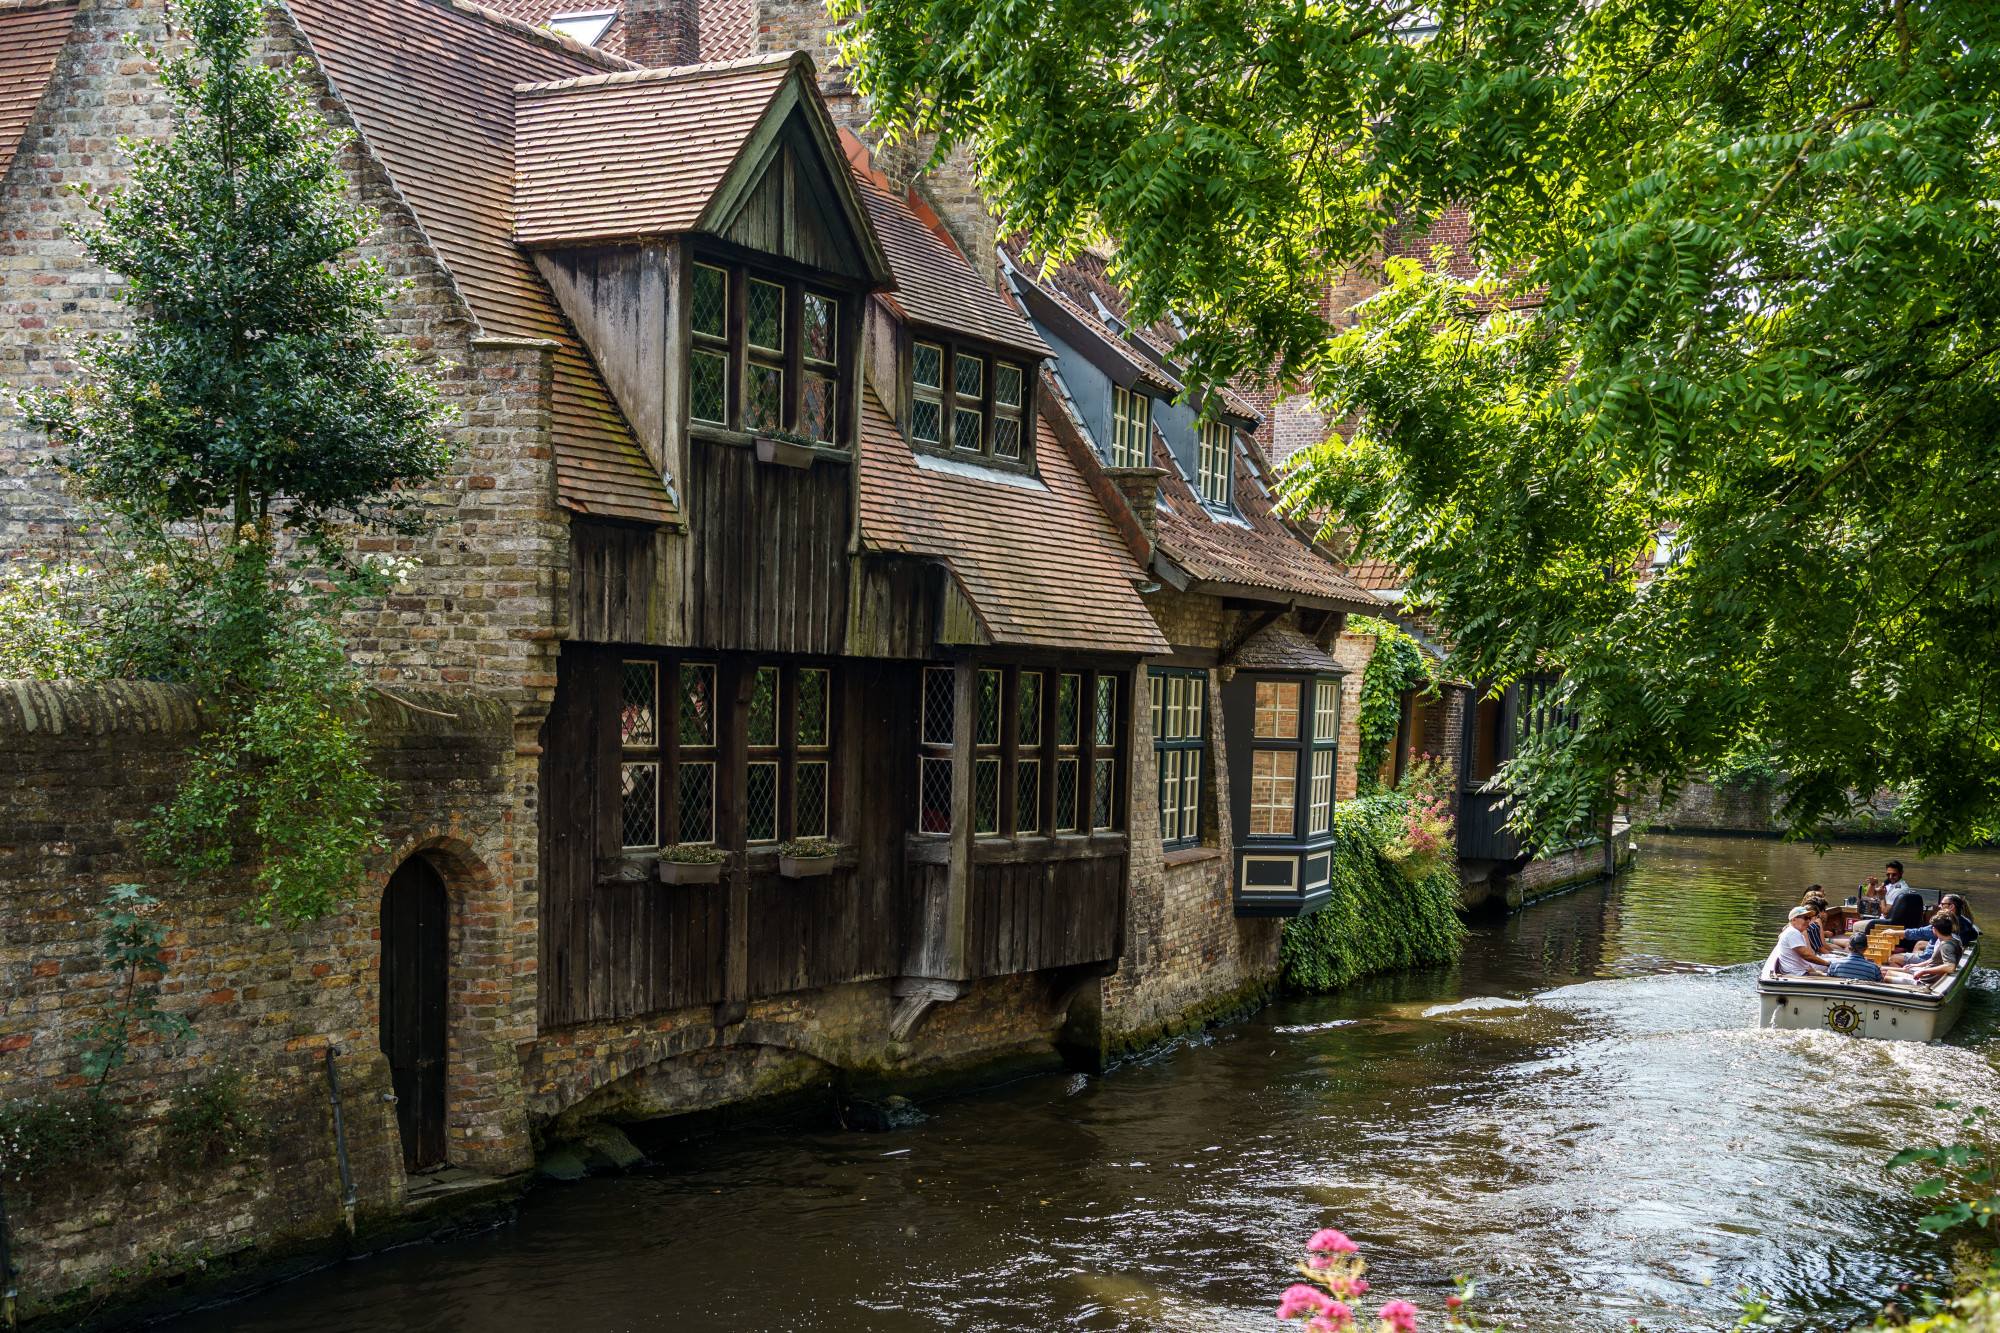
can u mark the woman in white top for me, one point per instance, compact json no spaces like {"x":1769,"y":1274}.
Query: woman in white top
{"x":1795,"y":956}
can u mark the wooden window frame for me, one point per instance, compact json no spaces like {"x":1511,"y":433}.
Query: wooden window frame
{"x":1297,"y":744}
{"x":1172,"y":747}
{"x":1215,"y":450}
{"x":986,"y":404}
{"x":1131,"y":427}
{"x":1325,"y":744}
{"x":789,"y":360}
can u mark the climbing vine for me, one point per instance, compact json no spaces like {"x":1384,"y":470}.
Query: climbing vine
{"x":1379,"y":919}
{"x":1397,"y":665}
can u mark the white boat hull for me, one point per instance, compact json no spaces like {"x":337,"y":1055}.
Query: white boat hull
{"x":1880,"y":1011}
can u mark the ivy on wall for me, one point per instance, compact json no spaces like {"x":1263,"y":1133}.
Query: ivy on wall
{"x":1378,"y":920}
{"x":1397,"y":665}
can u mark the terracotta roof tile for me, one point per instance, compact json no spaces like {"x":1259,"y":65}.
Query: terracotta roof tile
{"x":1265,"y":554}
{"x":30,"y":40}
{"x":934,"y":283}
{"x":728,"y":29}
{"x":537,"y":13}
{"x":431,"y":83}
{"x":1042,"y":564}
{"x":1377,"y":575}
{"x":615,"y":156}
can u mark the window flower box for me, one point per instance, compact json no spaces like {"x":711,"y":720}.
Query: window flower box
{"x":806,"y":857}
{"x":786,"y":450}
{"x":692,"y":865}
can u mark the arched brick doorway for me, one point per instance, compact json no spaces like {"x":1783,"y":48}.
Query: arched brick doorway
{"x":416,"y":967}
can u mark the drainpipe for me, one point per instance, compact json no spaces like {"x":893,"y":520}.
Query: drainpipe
{"x":340,"y":1141}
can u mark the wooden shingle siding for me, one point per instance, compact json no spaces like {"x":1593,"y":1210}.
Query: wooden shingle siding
{"x":767,"y":553}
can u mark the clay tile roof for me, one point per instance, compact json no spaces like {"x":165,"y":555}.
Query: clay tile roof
{"x":30,"y":40}
{"x":1377,"y":575}
{"x":616,"y":156}
{"x":430,"y":84}
{"x":728,"y":29}
{"x":1041,"y":563}
{"x":1265,"y":554}
{"x":537,"y":13}
{"x":1280,"y":647}
{"x":934,"y":283}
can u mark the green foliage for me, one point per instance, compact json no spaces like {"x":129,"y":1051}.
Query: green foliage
{"x":208,"y":1123}
{"x":808,"y":847}
{"x":1959,"y":1176}
{"x":1397,"y":664}
{"x":255,"y":410}
{"x":131,"y":942}
{"x":1749,"y":765}
{"x":1378,"y":919}
{"x":61,"y":1136}
{"x":1730,"y":276}
{"x":693,"y":854}
{"x":47,"y":629}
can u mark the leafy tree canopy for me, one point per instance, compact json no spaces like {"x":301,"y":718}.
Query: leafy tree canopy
{"x":1732,"y":276}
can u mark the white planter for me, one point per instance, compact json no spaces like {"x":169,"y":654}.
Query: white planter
{"x":784,"y":453}
{"x":804,"y":867}
{"x":691,"y":872}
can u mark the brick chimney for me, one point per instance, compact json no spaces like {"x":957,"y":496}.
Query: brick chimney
{"x":661,"y":32}
{"x":1141,"y":488}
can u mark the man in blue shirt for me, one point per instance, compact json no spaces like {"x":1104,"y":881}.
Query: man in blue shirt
{"x":1856,"y":965}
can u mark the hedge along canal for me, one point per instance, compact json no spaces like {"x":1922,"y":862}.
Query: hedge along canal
{"x":1580,"y":1109}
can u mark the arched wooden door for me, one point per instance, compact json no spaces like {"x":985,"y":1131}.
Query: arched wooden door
{"x":416,"y":949}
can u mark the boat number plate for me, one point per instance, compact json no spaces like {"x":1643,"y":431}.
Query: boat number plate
{"x":1843,"y":1018}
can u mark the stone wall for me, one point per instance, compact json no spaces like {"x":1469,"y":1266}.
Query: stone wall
{"x":1714,"y":807}
{"x":81,"y":766}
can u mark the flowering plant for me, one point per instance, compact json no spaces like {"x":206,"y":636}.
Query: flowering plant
{"x":1333,"y":1267}
{"x":1425,"y":837}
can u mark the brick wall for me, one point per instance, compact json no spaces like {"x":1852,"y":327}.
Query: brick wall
{"x":80,"y":767}
{"x":1352,"y":651}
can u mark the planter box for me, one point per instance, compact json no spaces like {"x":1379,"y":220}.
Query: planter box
{"x":804,"y":867}
{"x":784,"y":453}
{"x":691,"y":872}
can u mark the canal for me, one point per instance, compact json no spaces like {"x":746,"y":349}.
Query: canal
{"x":1581,"y":1112}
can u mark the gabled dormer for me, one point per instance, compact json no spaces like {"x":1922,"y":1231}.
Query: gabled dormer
{"x":701,"y":230}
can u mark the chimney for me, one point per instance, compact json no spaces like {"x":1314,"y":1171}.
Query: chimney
{"x":1141,"y":488}
{"x":661,"y":32}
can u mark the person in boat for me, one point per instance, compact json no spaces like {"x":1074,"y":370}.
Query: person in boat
{"x":1816,"y":923}
{"x":1795,"y":955}
{"x":1943,"y":960}
{"x":1904,"y":905}
{"x":1968,"y":933}
{"x":1855,"y":964}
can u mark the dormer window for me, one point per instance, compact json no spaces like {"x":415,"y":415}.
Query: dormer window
{"x":965,"y":402}
{"x":765,"y":354}
{"x":1131,"y":417}
{"x":1212,"y":463}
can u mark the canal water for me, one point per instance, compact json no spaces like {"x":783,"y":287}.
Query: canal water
{"x":1581,"y":1112}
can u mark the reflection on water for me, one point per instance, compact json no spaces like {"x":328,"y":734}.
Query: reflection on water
{"x":1581,"y":1111}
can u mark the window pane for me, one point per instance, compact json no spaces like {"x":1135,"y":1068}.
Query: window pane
{"x":697,"y":704}
{"x":639,"y":794}
{"x":968,"y":375}
{"x":1326,"y":710}
{"x":821,"y":315}
{"x":812,"y":707}
{"x":761,"y":802}
{"x":816,"y":409}
{"x":1158,"y":686}
{"x":697,"y":802}
{"x":965,"y":433}
{"x":1191,"y":796}
{"x":1176,"y":707}
{"x":1170,"y":794}
{"x":1027,"y":795}
{"x":935,"y":793}
{"x":986,"y":796}
{"x":766,"y":322}
{"x":927,"y":365}
{"x":1197,"y":694}
{"x":1100,"y":794}
{"x":764,"y":399}
{"x":1031,"y":708}
{"x":708,"y":388}
{"x":1007,"y":385}
{"x":940,"y":705}
{"x":709,"y":308}
{"x":638,"y":717}
{"x":1106,"y":732}
{"x":1065,"y":795}
{"x":986,"y":710}
{"x":1322,"y":792}
{"x":764,"y":707}
{"x":1277,"y":710}
{"x":809,"y":800}
{"x":1068,"y":707}
{"x":1006,"y":437}
{"x":924,"y":420}
{"x":1273,"y":792}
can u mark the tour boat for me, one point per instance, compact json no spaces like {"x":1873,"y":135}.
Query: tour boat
{"x":1882,"y":1010}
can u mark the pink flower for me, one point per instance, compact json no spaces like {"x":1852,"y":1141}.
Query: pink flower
{"x":1333,"y":1319}
{"x":1300,"y":1299}
{"x":1453,"y":1302}
{"x":1400,"y":1315}
{"x":1333,"y":1241}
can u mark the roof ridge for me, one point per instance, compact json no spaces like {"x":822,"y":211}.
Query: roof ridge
{"x":543,"y":36}
{"x":662,"y":73}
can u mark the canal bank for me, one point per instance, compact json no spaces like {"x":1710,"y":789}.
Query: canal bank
{"x":1581,"y":1111}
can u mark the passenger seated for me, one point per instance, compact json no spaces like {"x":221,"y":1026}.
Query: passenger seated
{"x":1944,"y":958}
{"x":1795,"y":956}
{"x":1968,"y":934}
{"x":1815,"y":929}
{"x":1856,"y":965}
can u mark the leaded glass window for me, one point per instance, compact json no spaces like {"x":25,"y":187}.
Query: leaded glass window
{"x":739,"y":367}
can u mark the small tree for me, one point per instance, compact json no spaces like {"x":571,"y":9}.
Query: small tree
{"x":254,"y":417}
